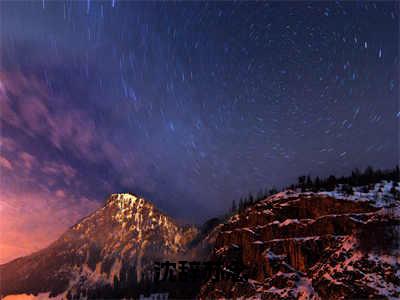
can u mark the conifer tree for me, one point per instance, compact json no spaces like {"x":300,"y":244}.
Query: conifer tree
{"x":234,"y":208}
{"x":240,"y":205}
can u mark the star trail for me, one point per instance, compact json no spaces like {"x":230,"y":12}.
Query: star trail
{"x":189,"y":104}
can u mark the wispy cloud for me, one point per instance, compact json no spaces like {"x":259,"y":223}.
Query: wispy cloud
{"x":7,"y":144}
{"x":5,"y":163}
{"x":27,"y":104}
{"x":53,"y":168}
{"x":27,"y":159}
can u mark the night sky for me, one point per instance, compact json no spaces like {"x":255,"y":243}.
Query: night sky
{"x":190,"y":105}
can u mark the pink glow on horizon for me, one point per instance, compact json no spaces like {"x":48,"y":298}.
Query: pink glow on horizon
{"x":29,"y":223}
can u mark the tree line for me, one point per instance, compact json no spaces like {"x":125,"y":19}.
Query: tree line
{"x":305,"y":183}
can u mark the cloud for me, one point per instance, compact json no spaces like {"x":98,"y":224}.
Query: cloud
{"x":53,"y":168}
{"x":7,"y":144}
{"x":27,"y":159}
{"x":5,"y":163}
{"x":60,"y":194}
{"x":28,"y":105}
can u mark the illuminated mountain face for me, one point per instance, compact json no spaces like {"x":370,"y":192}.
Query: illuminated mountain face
{"x":124,"y":236}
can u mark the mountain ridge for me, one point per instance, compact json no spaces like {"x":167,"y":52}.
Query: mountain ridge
{"x":276,"y":241}
{"x":126,"y":230}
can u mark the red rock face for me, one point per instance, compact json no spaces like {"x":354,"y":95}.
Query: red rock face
{"x":308,"y":246}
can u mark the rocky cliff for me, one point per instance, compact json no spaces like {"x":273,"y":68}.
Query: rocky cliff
{"x":309,"y":246}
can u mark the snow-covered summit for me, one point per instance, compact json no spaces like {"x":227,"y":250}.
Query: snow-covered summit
{"x":381,"y":194}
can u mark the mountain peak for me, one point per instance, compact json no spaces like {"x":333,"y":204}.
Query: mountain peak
{"x":123,"y":200}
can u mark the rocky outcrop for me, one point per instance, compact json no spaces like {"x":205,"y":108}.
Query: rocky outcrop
{"x":307,"y":246}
